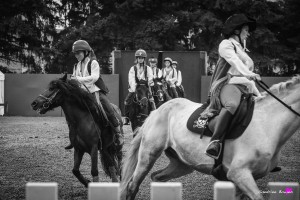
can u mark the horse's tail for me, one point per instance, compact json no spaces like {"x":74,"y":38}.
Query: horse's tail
{"x":131,"y":159}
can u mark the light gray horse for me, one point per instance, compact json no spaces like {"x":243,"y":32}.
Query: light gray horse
{"x":247,"y":158}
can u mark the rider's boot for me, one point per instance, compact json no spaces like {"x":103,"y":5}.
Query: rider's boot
{"x":175,"y":94}
{"x":214,"y":147}
{"x":70,"y":146}
{"x":126,"y":109}
{"x":71,"y":137}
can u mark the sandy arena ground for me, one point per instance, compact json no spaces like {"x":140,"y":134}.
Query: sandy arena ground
{"x":32,"y":150}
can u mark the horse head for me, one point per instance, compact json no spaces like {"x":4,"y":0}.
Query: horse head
{"x":142,"y":95}
{"x":158,"y":93}
{"x":50,"y":98}
{"x":140,"y":108}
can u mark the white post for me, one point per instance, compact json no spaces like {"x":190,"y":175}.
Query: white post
{"x":166,"y":191}
{"x":103,"y":191}
{"x":224,"y":190}
{"x":283,"y":190}
{"x":41,"y":191}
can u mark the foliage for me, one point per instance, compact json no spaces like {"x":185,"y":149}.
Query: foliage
{"x":26,"y":29}
{"x":149,"y":24}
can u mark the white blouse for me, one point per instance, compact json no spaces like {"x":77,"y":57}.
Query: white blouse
{"x":84,"y":77}
{"x":179,"y":78}
{"x":168,"y":75}
{"x":140,"y":76}
{"x":241,"y":64}
{"x":156,"y":72}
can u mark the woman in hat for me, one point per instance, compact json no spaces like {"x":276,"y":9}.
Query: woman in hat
{"x":232,"y":77}
{"x":87,"y":72}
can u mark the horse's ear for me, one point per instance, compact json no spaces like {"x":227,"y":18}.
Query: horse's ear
{"x":64,"y":78}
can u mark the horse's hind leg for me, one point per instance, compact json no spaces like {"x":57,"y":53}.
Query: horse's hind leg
{"x":175,"y":169}
{"x":94,"y":162}
{"x":244,"y":180}
{"x":148,"y":154}
{"x":109,"y":160}
{"x":77,"y":161}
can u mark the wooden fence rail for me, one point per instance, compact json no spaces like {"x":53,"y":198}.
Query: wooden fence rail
{"x":223,"y":190}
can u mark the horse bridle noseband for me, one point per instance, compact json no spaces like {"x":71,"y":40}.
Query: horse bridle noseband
{"x":49,"y":100}
{"x":266,"y":88}
{"x":157,"y":94}
{"x":138,"y":101}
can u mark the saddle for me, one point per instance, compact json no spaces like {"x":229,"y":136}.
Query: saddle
{"x":239,"y":123}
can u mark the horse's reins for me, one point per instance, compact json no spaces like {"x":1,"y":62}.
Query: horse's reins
{"x":266,"y":88}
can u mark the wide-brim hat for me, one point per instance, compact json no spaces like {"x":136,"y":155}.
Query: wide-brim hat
{"x":236,"y":21}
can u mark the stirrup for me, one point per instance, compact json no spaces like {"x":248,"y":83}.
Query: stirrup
{"x":212,"y":156}
{"x":70,"y":146}
{"x":127,"y":121}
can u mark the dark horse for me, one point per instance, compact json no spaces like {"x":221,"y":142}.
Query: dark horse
{"x":159,"y":95}
{"x":139,"y":107}
{"x":90,"y":129}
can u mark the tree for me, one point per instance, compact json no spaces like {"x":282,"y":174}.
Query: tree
{"x":26,"y":27}
{"x":177,"y":25}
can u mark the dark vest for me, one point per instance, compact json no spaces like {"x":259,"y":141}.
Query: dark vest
{"x":136,"y":78}
{"x":99,"y":83}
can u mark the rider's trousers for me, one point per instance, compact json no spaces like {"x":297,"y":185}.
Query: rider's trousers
{"x":108,"y":108}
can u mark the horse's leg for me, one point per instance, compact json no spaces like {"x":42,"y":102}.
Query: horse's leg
{"x":94,"y":162}
{"x":148,"y":154}
{"x":108,"y":155}
{"x":244,"y":180}
{"x":77,"y":161}
{"x":175,"y":169}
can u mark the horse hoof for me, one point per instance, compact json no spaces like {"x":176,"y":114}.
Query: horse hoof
{"x":86,"y":184}
{"x":276,"y":169}
{"x":96,"y":179}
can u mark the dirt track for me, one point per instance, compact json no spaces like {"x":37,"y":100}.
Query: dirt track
{"x":32,"y":149}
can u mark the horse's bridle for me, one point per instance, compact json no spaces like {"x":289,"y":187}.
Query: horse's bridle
{"x":139,"y":101}
{"x":49,"y":100}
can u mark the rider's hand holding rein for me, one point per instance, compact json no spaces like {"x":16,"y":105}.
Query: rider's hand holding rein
{"x":255,"y":77}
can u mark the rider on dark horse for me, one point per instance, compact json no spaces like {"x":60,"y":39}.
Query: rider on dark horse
{"x":178,"y":83}
{"x":157,"y":76}
{"x":232,"y":77}
{"x":139,"y":72}
{"x":170,"y":76}
{"x":87,"y":72}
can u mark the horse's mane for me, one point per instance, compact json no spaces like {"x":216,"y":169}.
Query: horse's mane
{"x":71,"y":89}
{"x":280,"y":89}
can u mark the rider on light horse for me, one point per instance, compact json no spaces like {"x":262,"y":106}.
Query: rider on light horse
{"x":87,"y":73}
{"x":137,"y":73}
{"x":232,"y":77}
